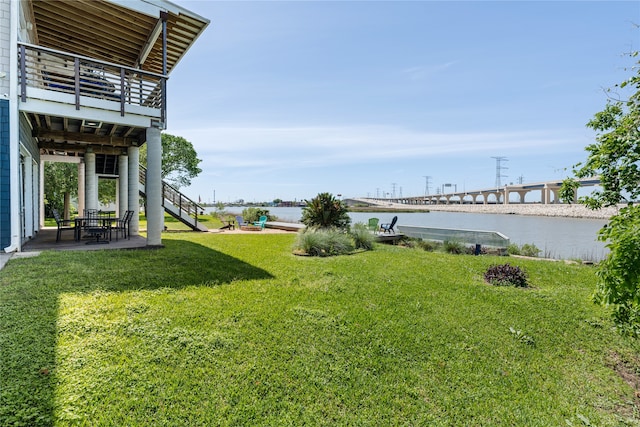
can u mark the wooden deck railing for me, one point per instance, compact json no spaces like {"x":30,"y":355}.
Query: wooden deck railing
{"x":82,"y":76}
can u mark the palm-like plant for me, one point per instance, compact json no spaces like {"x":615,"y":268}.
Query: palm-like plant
{"x":325,"y":211}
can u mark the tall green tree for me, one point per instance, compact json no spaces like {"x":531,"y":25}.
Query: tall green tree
{"x":179,"y":160}
{"x":615,"y":158}
{"x":60,"y":185}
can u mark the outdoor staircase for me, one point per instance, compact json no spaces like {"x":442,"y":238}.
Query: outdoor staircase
{"x":175,"y":203}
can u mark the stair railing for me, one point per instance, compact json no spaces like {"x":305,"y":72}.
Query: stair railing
{"x":184,"y":204}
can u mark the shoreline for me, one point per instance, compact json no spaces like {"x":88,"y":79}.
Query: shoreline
{"x":560,"y":210}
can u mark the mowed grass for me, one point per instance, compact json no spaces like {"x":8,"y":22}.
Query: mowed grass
{"x":235,"y":330}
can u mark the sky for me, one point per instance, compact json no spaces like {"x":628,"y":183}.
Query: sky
{"x":288,"y":99}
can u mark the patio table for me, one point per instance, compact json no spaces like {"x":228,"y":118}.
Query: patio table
{"x":228,"y":225}
{"x":96,"y":227}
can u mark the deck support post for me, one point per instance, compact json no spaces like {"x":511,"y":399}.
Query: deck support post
{"x":123,"y":185}
{"x":133,"y":192}
{"x":91,"y":180}
{"x":81,"y":187}
{"x":155,"y":211}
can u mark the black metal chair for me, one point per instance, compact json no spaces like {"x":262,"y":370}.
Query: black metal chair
{"x":63,"y":224}
{"x":388,"y":228}
{"x":97,"y":227}
{"x":122,"y":225}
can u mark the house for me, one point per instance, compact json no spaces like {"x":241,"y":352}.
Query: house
{"x":85,"y":82}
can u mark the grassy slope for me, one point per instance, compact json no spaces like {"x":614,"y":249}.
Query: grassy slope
{"x":234,"y":330}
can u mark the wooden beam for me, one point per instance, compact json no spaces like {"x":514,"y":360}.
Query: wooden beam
{"x":63,"y":136}
{"x":80,"y":148}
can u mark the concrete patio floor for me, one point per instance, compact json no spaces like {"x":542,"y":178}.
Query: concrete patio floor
{"x":46,"y":240}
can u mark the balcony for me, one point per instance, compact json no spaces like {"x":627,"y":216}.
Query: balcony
{"x":97,"y":90}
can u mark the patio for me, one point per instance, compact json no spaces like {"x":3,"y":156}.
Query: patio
{"x":46,"y":240}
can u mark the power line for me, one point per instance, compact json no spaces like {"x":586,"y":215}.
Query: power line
{"x":499,"y":167}
{"x":426,"y":184}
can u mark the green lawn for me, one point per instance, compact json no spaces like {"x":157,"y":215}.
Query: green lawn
{"x":235,"y":330}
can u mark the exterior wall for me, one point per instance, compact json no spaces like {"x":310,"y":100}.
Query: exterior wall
{"x":5,"y":46}
{"x":5,"y":176}
{"x":30,"y":187}
{"x":28,"y":141}
{"x":5,"y":189}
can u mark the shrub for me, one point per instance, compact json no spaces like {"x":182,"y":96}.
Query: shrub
{"x":506,"y":275}
{"x":428,"y":245}
{"x":453,"y":247}
{"x":529,"y":249}
{"x":254,"y":214}
{"x":514,"y":249}
{"x":323,"y":242}
{"x":324,"y":210}
{"x":362,"y":236}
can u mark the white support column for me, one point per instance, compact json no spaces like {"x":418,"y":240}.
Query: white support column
{"x":506,"y":196}
{"x":29,"y":219}
{"x":41,"y":194}
{"x":123,"y":185}
{"x":545,"y":195}
{"x":522,"y":195}
{"x":91,"y":181}
{"x":14,"y":127}
{"x":155,"y":212}
{"x":133,"y":192}
{"x":81,"y":188}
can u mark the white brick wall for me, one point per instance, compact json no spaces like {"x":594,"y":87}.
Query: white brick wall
{"x":5,"y":33}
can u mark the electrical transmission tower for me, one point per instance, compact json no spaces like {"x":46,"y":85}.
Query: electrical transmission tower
{"x":426,"y":185}
{"x":393,"y":192}
{"x":499,"y":167}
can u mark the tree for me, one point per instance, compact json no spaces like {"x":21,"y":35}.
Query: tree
{"x":325,"y":211}
{"x":615,"y":158}
{"x":179,"y":160}
{"x":60,"y":184}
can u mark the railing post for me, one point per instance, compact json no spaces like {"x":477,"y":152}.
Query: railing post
{"x":122,"y":75}
{"x":23,"y":74}
{"x":76,"y":68}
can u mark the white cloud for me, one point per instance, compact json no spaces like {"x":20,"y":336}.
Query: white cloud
{"x":422,"y":72}
{"x":315,"y":146}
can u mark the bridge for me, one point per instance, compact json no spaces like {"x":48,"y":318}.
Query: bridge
{"x":548,"y":194}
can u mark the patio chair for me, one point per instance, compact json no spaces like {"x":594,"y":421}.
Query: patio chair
{"x":97,"y":227}
{"x":373,"y":224}
{"x":241,"y":222}
{"x":122,"y":225}
{"x":261,"y":222}
{"x":63,"y":224}
{"x":388,"y":228}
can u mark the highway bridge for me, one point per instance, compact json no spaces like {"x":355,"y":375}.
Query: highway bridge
{"x":548,"y":194}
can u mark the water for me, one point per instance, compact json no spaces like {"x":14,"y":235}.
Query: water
{"x":561,"y":238}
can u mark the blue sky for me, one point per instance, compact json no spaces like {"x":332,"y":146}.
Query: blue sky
{"x":290,"y":99}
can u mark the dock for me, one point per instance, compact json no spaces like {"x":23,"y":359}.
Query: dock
{"x":287,"y":226}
